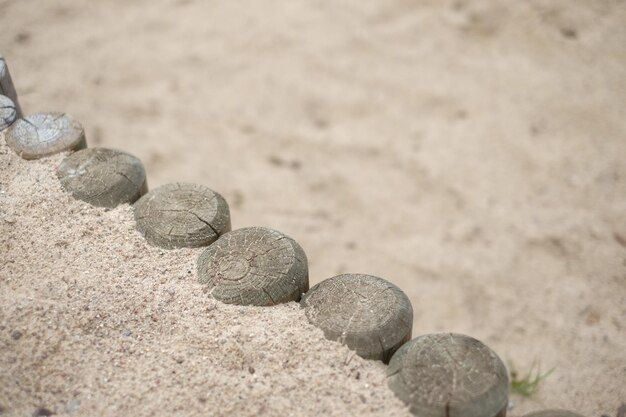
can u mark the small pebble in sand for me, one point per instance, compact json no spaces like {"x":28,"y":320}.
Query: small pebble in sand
{"x":103,"y":177}
{"x":8,"y":113}
{"x":42,"y":134}
{"x":182,"y":215}
{"x":368,"y":314}
{"x":448,"y":374}
{"x":553,"y":413}
{"x":254,"y":266}
{"x":42,"y":412}
{"x":72,"y":405}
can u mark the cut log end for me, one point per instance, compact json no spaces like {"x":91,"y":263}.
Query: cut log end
{"x":182,"y":215}
{"x":447,"y":374}
{"x":43,"y":134}
{"x":254,"y":266}
{"x":368,"y":314}
{"x":103,"y":177}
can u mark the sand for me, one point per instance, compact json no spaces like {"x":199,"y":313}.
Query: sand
{"x":96,"y":321}
{"x":471,"y":153}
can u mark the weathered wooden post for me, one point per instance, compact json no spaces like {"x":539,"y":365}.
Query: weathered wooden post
{"x":43,"y":134}
{"x":103,"y":177}
{"x":254,"y":266}
{"x":449,"y":375}
{"x":182,"y":215}
{"x":6,"y":85}
{"x":368,"y":314}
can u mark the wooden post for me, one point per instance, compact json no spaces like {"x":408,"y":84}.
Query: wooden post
{"x":254,"y":266}
{"x":103,"y":177}
{"x":6,"y":86}
{"x":182,"y":216}
{"x":368,"y":314}
{"x":8,"y":112}
{"x":449,"y":375}
{"x":42,"y":134}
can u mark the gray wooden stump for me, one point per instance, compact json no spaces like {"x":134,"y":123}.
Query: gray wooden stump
{"x":103,"y":177}
{"x":43,"y":134}
{"x":553,"y":413}
{"x":368,"y":314}
{"x":254,"y":266}
{"x":182,"y":215}
{"x":8,"y":113}
{"x":7,"y":88}
{"x":449,"y":375}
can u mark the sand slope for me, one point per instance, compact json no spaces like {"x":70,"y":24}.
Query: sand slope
{"x":94,"y":321}
{"x":470,"y":152}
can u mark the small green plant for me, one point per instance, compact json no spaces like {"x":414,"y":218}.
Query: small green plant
{"x":527,"y":385}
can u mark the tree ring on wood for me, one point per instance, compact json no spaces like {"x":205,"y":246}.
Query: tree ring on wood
{"x":254,"y":266}
{"x":449,"y":375}
{"x":8,"y":112}
{"x":43,"y":134}
{"x":368,"y":314}
{"x":234,"y":267}
{"x":103,"y":177}
{"x":182,"y":215}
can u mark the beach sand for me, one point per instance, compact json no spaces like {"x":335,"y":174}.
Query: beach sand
{"x":470,"y":152}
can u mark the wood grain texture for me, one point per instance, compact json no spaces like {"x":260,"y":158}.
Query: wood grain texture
{"x":254,"y":266}
{"x":7,"y":88}
{"x":449,"y":375}
{"x":368,"y":314}
{"x":8,"y":113}
{"x":182,"y":215}
{"x":42,"y":134}
{"x":553,"y":413}
{"x":103,"y":177}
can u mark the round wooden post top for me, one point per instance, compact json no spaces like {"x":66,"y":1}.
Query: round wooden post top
{"x":254,"y":266}
{"x":8,"y":113}
{"x":103,"y":177}
{"x":182,"y":215}
{"x":449,"y":375}
{"x":368,"y":314}
{"x":43,"y":134}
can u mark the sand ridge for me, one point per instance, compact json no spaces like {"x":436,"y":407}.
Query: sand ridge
{"x":469,"y":152}
{"x":95,"y":321}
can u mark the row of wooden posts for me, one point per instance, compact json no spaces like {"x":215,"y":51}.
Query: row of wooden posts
{"x":436,"y":375}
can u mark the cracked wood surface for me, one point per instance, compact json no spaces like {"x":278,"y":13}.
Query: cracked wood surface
{"x":449,"y":375}
{"x":103,"y":177}
{"x":553,"y":413}
{"x":182,"y":215}
{"x":254,"y":266}
{"x":6,"y":85}
{"x":42,"y":134}
{"x":8,"y":112}
{"x":368,"y":314}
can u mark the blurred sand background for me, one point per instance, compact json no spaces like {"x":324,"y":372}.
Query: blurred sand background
{"x":471,"y":152}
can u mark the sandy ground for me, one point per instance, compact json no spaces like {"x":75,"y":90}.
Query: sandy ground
{"x":470,"y":152}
